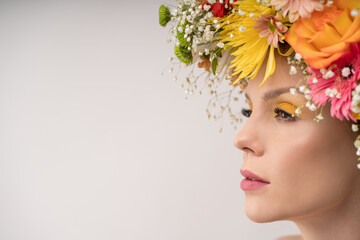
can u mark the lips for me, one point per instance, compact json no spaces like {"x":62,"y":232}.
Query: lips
{"x":252,"y":181}
{"x":252,"y":176}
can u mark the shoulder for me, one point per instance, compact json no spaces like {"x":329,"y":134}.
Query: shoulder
{"x":292,"y":237}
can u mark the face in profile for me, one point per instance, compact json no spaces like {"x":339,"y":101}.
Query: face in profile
{"x":311,"y":166}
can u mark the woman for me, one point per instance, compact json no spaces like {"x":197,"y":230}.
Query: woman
{"x":303,"y":103}
{"x":311,"y":175}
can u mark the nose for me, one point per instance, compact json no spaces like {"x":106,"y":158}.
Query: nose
{"x":249,"y":138}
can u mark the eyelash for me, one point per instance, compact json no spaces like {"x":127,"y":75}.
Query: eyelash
{"x":280,"y":114}
{"x":283,"y":115}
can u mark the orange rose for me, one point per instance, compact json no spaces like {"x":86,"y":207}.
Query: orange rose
{"x":326,"y":36}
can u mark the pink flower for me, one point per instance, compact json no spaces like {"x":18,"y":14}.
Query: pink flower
{"x":272,"y":27}
{"x":304,"y":8}
{"x":336,"y":83}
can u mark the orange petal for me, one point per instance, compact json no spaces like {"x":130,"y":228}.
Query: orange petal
{"x":319,"y":63}
{"x":291,"y":37}
{"x":355,"y":37}
{"x":307,"y":50}
{"x":309,"y":23}
{"x":339,"y":47}
{"x":303,"y":31}
{"x":351,"y":4}
{"x":329,"y":37}
{"x":342,"y":23}
{"x":353,"y":28}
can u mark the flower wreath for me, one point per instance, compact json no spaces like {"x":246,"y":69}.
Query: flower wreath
{"x":230,"y":39}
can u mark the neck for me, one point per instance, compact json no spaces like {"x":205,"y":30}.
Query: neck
{"x":340,"y":221}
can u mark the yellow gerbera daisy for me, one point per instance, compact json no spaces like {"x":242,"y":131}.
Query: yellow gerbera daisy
{"x":238,"y":32}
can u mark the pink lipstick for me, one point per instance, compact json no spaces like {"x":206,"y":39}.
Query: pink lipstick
{"x":252,"y":181}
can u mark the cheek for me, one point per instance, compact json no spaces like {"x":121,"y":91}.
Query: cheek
{"x":309,"y":171}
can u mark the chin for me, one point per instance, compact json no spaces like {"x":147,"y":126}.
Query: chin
{"x":261,"y":214}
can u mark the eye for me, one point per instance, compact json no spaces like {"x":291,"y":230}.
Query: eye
{"x":283,"y":115}
{"x":246,"y":112}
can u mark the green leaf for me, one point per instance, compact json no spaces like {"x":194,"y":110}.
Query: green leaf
{"x":214,"y":65}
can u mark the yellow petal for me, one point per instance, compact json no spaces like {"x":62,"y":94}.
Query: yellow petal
{"x":353,"y":29}
{"x":270,"y":67}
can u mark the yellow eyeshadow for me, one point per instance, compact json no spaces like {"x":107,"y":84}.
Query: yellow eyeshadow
{"x":288,"y":107}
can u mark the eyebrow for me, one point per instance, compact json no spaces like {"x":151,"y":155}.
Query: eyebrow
{"x":271,"y":94}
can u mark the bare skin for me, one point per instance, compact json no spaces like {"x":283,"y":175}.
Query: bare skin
{"x":311,"y":167}
{"x":293,"y":237}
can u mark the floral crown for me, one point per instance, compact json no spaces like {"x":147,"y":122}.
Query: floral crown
{"x":228,"y":40}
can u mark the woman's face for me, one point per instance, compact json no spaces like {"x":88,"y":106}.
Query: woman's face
{"x":311,"y":166}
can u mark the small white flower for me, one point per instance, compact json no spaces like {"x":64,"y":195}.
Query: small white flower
{"x":358,"y":152}
{"x":319,"y":117}
{"x":298,"y":56}
{"x":242,"y":28}
{"x":307,"y":92}
{"x":345,"y":72}
{"x":293,"y":91}
{"x":308,"y":104}
{"x":328,"y":92}
{"x":338,"y":95}
{"x":221,"y":1}
{"x":215,"y":21}
{"x":293,"y":70}
{"x":357,"y":143}
{"x":315,"y":80}
{"x":354,"y":12}
{"x":188,"y":39}
{"x":180,"y":29}
{"x":231,"y":35}
{"x":358,"y":166}
{"x":217,"y":26}
{"x":312,"y":107}
{"x":298,"y":111}
{"x":355,"y":127}
{"x":328,"y":74}
{"x":307,"y":97}
{"x":331,"y":92}
{"x":207,"y":7}
{"x":207,"y":51}
{"x":357,"y":88}
{"x":302,"y":88}
{"x":251,"y":14}
{"x":356,"y":109}
{"x":323,"y":71}
{"x":220,"y":44}
{"x":329,"y":3}
{"x":241,"y":12}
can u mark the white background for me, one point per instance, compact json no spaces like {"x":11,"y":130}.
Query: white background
{"x":96,"y":144}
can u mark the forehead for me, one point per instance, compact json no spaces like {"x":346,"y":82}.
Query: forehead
{"x":281,"y":79}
